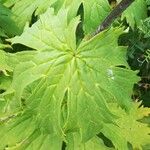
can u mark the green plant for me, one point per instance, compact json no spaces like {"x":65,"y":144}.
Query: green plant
{"x":62,"y":92}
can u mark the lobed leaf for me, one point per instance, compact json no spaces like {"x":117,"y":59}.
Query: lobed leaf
{"x":130,"y":128}
{"x":71,"y":86}
{"x":135,"y":13}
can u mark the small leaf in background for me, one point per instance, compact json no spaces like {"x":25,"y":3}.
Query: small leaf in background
{"x":135,"y":13}
{"x":24,"y":9}
{"x":94,"y":12}
{"x":7,"y":23}
{"x":145,"y":27}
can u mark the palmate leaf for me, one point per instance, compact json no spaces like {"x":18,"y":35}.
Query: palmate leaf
{"x":130,"y":128}
{"x":71,"y":87}
{"x":135,"y":13}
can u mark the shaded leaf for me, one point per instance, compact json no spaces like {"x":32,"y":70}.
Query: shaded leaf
{"x":24,"y":9}
{"x":7,"y":23}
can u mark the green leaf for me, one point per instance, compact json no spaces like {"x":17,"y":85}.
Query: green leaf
{"x":2,"y":33}
{"x":74,"y":143}
{"x":71,"y":87}
{"x":3,"y":63}
{"x":145,"y":27}
{"x":94,"y":12}
{"x":6,"y":21}
{"x":9,"y":60}
{"x":24,"y":9}
{"x":24,"y":134}
{"x":5,"y":82}
{"x":130,"y":128}
{"x":148,"y":2}
{"x":45,"y":43}
{"x":7,"y":64}
{"x":135,"y":13}
{"x":50,"y":35}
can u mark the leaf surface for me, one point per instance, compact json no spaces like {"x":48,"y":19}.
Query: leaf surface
{"x":94,"y":12}
{"x":74,"y":143}
{"x":130,"y":128}
{"x":6,"y":22}
{"x":24,"y":9}
{"x":71,"y":86}
{"x":135,"y":13}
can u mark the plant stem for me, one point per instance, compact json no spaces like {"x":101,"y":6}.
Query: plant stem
{"x":116,"y":12}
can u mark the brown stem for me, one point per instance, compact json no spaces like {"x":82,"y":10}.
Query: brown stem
{"x":117,"y":11}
